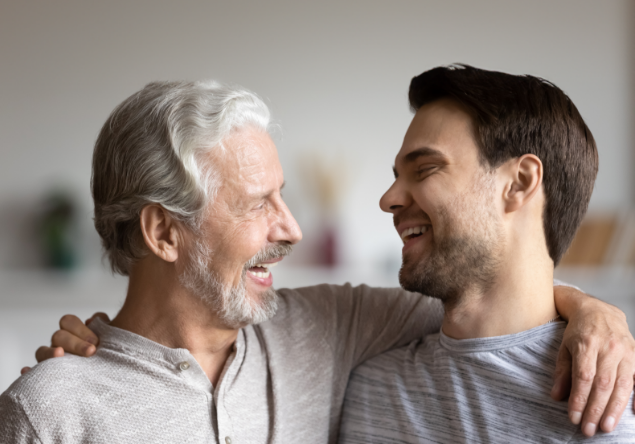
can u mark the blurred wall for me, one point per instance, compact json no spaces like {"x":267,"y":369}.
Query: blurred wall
{"x":335,"y":74}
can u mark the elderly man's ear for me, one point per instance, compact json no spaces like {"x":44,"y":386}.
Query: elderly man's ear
{"x":523,"y":180}
{"x":161,"y":232}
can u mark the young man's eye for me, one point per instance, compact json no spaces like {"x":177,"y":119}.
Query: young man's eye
{"x":425,"y":170}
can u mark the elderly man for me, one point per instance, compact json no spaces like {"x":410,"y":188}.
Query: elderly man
{"x":187,"y":191}
{"x":495,"y":172}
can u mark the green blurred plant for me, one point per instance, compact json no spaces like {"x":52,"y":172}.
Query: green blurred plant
{"x":57,"y":231}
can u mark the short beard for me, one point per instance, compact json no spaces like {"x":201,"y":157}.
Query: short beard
{"x":462,"y":263}
{"x":455,"y":266}
{"x":232,"y":305}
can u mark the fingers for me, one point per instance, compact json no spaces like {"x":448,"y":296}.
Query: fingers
{"x":601,"y":391}
{"x":72,"y":344}
{"x":24,"y":370}
{"x":583,"y":374}
{"x":103,"y":316}
{"x":562,"y":375}
{"x":620,"y":397}
{"x":43,"y":353}
{"x":73,"y":325}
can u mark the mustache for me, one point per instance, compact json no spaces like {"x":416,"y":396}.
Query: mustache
{"x":413,"y":214}
{"x":269,"y":252}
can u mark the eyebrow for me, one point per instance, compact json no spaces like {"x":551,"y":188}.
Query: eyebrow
{"x":422,"y":152}
{"x":413,"y":155}
{"x":269,"y":193}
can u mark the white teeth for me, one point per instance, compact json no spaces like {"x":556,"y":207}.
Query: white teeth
{"x":413,"y":230}
{"x":260,"y":274}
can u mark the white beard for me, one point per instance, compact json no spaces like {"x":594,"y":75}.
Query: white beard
{"x":232,"y":305}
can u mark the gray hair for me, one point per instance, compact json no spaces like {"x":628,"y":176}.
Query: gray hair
{"x":151,"y":150}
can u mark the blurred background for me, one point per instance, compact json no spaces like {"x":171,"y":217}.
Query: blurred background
{"x":335,"y":74}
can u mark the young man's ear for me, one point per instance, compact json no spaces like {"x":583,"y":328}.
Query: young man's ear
{"x":524,"y":181}
{"x":160,"y":232}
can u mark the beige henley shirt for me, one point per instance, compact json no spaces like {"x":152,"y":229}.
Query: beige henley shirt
{"x":284,"y":383}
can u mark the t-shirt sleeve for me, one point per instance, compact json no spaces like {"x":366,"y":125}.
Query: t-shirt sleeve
{"x":15,"y":427}
{"x":362,"y":322}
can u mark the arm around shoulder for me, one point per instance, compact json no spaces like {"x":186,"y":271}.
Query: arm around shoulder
{"x":361,"y":322}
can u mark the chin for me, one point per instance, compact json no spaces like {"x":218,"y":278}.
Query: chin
{"x":239,"y":310}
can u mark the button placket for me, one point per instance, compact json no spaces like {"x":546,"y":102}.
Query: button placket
{"x":183,"y":366}
{"x":223,"y":418}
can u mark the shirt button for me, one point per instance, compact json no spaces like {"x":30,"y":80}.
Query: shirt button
{"x":228,"y":440}
{"x":184,"y":365}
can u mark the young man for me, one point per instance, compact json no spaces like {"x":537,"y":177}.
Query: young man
{"x":492,"y":180}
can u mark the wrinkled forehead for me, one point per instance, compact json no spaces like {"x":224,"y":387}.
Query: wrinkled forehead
{"x":249,"y":157}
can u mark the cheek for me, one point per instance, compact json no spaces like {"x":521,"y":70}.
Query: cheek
{"x":248,"y":239}
{"x":429,"y":197}
{"x":442,"y":206}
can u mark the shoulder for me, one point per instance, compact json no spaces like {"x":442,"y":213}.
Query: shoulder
{"x":43,"y":395}
{"x":51,"y":376}
{"x":382,"y":384}
{"x":50,"y":390}
{"x":391,"y":370}
{"x":15,"y":426}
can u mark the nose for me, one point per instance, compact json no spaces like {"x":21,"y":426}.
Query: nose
{"x":286,"y":228}
{"x":395,"y":198}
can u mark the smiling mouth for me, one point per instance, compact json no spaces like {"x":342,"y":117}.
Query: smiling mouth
{"x":262,"y":270}
{"x":411,"y":233}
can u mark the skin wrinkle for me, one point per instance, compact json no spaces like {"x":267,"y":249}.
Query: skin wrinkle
{"x":248,"y":204}
{"x":232,"y":303}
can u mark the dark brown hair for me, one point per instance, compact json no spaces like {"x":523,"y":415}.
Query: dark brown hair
{"x":517,"y":115}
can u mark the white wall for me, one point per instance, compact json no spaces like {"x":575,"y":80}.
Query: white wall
{"x":334,"y":72}
{"x":336,"y":76}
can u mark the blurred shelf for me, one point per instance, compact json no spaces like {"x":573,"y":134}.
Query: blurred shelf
{"x":25,"y":288}
{"x":604,"y":282}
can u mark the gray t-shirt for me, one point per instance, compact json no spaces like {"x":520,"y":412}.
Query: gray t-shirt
{"x":486,"y":390}
{"x":284,"y":383}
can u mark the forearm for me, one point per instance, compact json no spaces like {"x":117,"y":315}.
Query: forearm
{"x":374,"y":320}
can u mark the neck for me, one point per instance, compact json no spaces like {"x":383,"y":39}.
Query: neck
{"x":159,"y":308}
{"x":520,"y":298}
